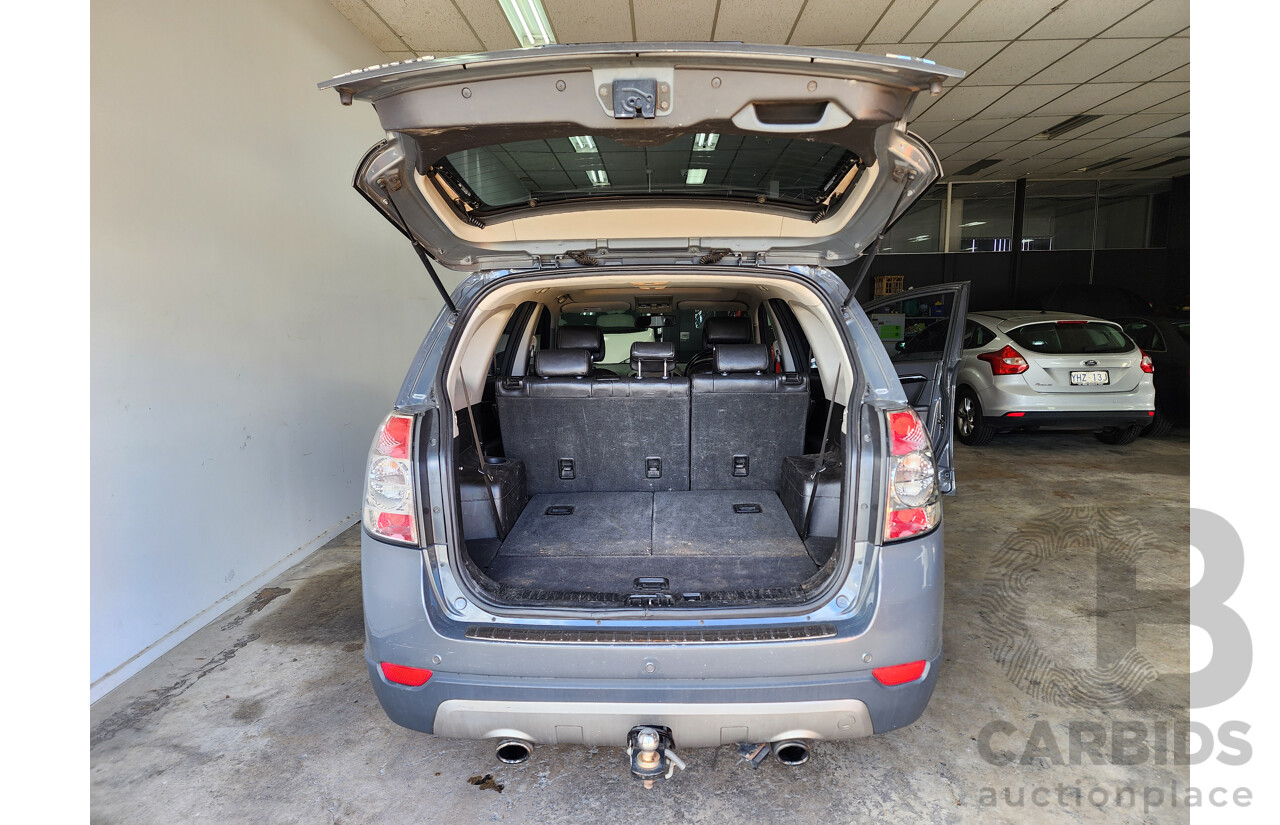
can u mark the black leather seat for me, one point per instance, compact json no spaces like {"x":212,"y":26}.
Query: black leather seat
{"x":717,"y":331}
{"x":653,"y":359}
{"x":578,"y":336}
{"x":578,"y":433}
{"x":744,"y":420}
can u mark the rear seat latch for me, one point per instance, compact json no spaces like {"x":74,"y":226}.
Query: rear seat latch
{"x":653,"y":467}
{"x":741,"y":465}
{"x":566,"y":468}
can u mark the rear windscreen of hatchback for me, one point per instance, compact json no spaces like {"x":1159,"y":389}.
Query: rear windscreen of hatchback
{"x":767,"y":168}
{"x":1070,"y":337}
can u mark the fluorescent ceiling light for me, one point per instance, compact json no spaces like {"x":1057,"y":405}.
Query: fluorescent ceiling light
{"x":705,"y":141}
{"x":529,"y":21}
{"x":695,"y":177}
{"x":598,"y":177}
{"x":583,"y":143}
{"x":919,"y":238}
{"x":973,"y":223}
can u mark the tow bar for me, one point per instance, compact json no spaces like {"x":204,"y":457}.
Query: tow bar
{"x":652,"y":754}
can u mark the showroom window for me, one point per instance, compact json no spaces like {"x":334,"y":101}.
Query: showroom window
{"x":1056,"y":215}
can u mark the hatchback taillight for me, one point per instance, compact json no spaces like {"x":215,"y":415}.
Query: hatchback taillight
{"x":1146,"y":363}
{"x":389,"y":511}
{"x":912,"y":503}
{"x":1007,"y":361}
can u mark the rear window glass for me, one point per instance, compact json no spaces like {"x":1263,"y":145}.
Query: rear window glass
{"x":779,"y":169}
{"x":1070,"y":338}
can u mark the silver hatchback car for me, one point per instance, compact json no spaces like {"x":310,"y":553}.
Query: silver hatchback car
{"x":733,"y":532}
{"x":1027,"y":369}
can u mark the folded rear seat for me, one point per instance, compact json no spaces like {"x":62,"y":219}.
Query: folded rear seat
{"x":576,"y":433}
{"x":745,"y":420}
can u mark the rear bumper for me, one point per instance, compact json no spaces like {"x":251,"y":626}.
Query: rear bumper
{"x":1080,"y":420}
{"x":700,"y":713}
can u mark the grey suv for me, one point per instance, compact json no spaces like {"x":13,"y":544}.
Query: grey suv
{"x":653,"y":479}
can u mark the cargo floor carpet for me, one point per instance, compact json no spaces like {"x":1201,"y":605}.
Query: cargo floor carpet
{"x":699,"y":540}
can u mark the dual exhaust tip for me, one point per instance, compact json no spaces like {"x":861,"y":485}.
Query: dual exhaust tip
{"x":791,"y":752}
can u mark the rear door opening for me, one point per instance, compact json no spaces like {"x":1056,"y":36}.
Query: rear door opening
{"x":658,"y":481}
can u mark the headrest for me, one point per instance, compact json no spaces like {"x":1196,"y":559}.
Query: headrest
{"x":730,"y":358}
{"x":552,"y":363}
{"x":726,"y":330}
{"x":658,"y":356}
{"x":582,"y":337}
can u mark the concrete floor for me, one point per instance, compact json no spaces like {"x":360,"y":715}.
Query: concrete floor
{"x":266,"y":715}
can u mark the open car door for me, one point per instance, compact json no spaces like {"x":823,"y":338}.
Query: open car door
{"x":922,"y":330}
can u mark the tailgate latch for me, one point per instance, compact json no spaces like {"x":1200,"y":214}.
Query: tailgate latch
{"x":635,"y":98}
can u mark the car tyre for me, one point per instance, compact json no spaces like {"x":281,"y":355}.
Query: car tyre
{"x":1159,"y":427}
{"x":970,"y":428}
{"x":1120,"y":435}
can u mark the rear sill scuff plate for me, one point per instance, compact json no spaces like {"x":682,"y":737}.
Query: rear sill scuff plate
{"x":651,"y":637}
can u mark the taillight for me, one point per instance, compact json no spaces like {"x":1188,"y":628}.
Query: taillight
{"x":1146,"y":363}
{"x":912,"y":481}
{"x":899,"y":674}
{"x":1007,"y":361}
{"x":405,"y":675}
{"x":388,"y":488}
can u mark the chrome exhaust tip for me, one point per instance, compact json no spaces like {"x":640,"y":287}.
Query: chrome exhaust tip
{"x":792,"y":752}
{"x":514,"y":751}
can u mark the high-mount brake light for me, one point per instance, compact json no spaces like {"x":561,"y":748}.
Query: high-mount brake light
{"x":913,"y":507}
{"x":389,"y":506}
{"x":1007,"y":361}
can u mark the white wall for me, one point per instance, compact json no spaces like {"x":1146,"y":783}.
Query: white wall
{"x":252,"y":316}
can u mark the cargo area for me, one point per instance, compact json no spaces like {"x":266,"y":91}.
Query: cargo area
{"x":617,"y":544}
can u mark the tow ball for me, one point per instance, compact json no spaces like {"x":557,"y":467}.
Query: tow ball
{"x":652,"y":754}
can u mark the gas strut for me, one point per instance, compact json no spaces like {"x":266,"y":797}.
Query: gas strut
{"x":484,"y":471}
{"x":820,"y":466}
{"x":874,"y":248}
{"x":417,"y":247}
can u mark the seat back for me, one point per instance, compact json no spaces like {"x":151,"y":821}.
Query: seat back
{"x":744,"y":420}
{"x":579,"y":433}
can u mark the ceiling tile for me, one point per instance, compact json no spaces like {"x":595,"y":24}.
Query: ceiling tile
{"x":371,"y":25}
{"x":1126,"y":146}
{"x":1024,"y":100}
{"x":963,"y":102}
{"x":968,"y":131}
{"x":966,"y":56}
{"x":1083,"y":18}
{"x":922,"y":104}
{"x":1181,"y":73}
{"x":600,"y":21}
{"x":938,"y":20}
{"x":1160,"y":59}
{"x":400,"y":57}
{"x":825,"y":22}
{"x":1036,"y":147}
{"x":1126,"y":126}
{"x":1174,"y":105}
{"x":1140,"y":99}
{"x":1160,"y":18}
{"x":1092,"y":59}
{"x":490,"y":24}
{"x":1168,"y":129}
{"x":1023,"y":128}
{"x":428,"y":25}
{"x":666,"y":20}
{"x":949,"y":150}
{"x":905,"y":49}
{"x":753,"y":22}
{"x":1000,"y":19}
{"x":900,"y":17}
{"x":980,"y":150}
{"x":1083,"y":98}
{"x":1020,"y":60}
{"x":1168,"y":146}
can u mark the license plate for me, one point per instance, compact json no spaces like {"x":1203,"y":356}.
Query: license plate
{"x":1090,"y":378}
